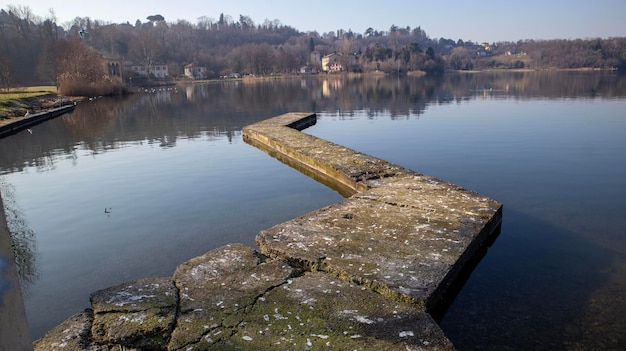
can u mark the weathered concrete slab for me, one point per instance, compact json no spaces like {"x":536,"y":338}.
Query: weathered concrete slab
{"x":275,"y":136}
{"x":319,"y":311}
{"x":403,"y":234}
{"x":217,"y":290}
{"x":232,"y":299}
{"x":396,"y":250}
{"x":138,"y":314}
{"x":74,"y":334}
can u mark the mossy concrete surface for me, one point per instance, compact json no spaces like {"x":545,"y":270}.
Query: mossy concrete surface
{"x":363,"y":274}
{"x":233,"y":298}
{"x":403,"y":234}
{"x":139,"y":314}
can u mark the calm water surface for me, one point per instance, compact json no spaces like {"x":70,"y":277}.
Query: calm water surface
{"x":124,"y":189}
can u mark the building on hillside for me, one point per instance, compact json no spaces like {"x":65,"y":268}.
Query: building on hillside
{"x":330,"y":63}
{"x":335,"y":62}
{"x":308,"y":70}
{"x":155,"y":71}
{"x":315,"y":59}
{"x":113,"y":67}
{"x":194,"y":71}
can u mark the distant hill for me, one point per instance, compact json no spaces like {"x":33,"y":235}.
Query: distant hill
{"x":30,"y":49}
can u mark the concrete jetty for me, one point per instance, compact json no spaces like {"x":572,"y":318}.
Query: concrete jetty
{"x":371,"y":272}
{"x":14,"y":125}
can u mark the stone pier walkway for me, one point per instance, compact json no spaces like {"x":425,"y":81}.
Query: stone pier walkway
{"x":366,"y":273}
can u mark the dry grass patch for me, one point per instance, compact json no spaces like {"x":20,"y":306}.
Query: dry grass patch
{"x":19,"y":98}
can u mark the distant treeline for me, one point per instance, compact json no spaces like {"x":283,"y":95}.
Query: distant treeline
{"x":35,"y":50}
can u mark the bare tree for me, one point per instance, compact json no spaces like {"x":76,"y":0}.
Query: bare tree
{"x":7,"y":74}
{"x":23,"y":19}
{"x":246,"y":22}
{"x":49,"y":53}
{"x":82,"y":72}
{"x":145,"y":48}
{"x":461,"y":58}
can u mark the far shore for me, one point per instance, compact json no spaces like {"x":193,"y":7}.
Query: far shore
{"x":19,"y":106}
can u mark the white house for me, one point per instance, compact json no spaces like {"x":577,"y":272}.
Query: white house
{"x":157,"y":71}
{"x":194,"y":71}
{"x":308,"y":70}
{"x":330,"y":63}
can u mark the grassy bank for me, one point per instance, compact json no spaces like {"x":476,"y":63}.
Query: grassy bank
{"x":19,"y":100}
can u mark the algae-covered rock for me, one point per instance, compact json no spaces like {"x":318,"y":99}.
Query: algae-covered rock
{"x":217,"y":289}
{"x":401,"y":241}
{"x":138,"y":314}
{"x":139,"y":295}
{"x":319,"y":311}
{"x":71,"y":335}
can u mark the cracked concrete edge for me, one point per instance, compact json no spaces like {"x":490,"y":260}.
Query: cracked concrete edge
{"x":366,"y":177}
{"x":337,"y":314}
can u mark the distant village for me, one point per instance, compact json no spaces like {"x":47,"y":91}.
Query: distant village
{"x":330,"y":63}
{"x":91,"y":55}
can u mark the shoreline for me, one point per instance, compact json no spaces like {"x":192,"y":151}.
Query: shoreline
{"x":47,"y":102}
{"x":18,"y":124}
{"x":252,"y":78}
{"x":14,"y":331}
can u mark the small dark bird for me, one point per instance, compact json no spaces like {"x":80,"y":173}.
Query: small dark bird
{"x":82,"y":33}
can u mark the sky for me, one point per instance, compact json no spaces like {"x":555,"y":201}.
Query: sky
{"x":477,"y":21}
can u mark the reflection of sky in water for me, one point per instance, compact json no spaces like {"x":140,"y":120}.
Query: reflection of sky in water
{"x":538,"y":155}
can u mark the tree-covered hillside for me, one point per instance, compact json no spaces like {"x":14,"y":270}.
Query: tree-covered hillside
{"x":35,"y":50}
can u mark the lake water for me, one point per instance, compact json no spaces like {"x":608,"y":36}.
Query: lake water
{"x":122,"y":189}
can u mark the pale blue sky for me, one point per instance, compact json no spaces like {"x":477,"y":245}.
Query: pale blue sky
{"x":478,"y":21}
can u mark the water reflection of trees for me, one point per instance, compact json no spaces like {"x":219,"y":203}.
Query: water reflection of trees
{"x":23,"y":238}
{"x":162,"y":116}
{"x":532,"y":85}
{"x":378,"y":95}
